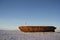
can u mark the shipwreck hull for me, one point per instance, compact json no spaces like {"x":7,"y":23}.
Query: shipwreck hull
{"x":37,"y":28}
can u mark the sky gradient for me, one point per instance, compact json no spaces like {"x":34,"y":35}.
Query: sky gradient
{"x":15,"y":13}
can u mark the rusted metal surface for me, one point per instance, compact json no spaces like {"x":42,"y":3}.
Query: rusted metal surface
{"x":37,"y":28}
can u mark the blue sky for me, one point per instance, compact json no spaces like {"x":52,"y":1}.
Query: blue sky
{"x":15,"y":13}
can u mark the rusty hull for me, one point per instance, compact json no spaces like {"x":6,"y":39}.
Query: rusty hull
{"x":37,"y":28}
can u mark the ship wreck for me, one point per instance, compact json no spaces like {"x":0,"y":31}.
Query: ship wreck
{"x":37,"y":28}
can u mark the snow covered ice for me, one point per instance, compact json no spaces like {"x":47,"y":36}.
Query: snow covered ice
{"x":18,"y":35}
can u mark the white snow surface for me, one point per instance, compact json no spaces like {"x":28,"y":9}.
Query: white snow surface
{"x":18,"y":35}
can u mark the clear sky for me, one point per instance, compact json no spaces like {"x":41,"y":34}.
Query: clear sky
{"x":15,"y":13}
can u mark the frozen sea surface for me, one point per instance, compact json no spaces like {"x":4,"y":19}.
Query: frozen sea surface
{"x":18,"y":35}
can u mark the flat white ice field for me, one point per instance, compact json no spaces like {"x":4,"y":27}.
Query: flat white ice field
{"x":18,"y":35}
